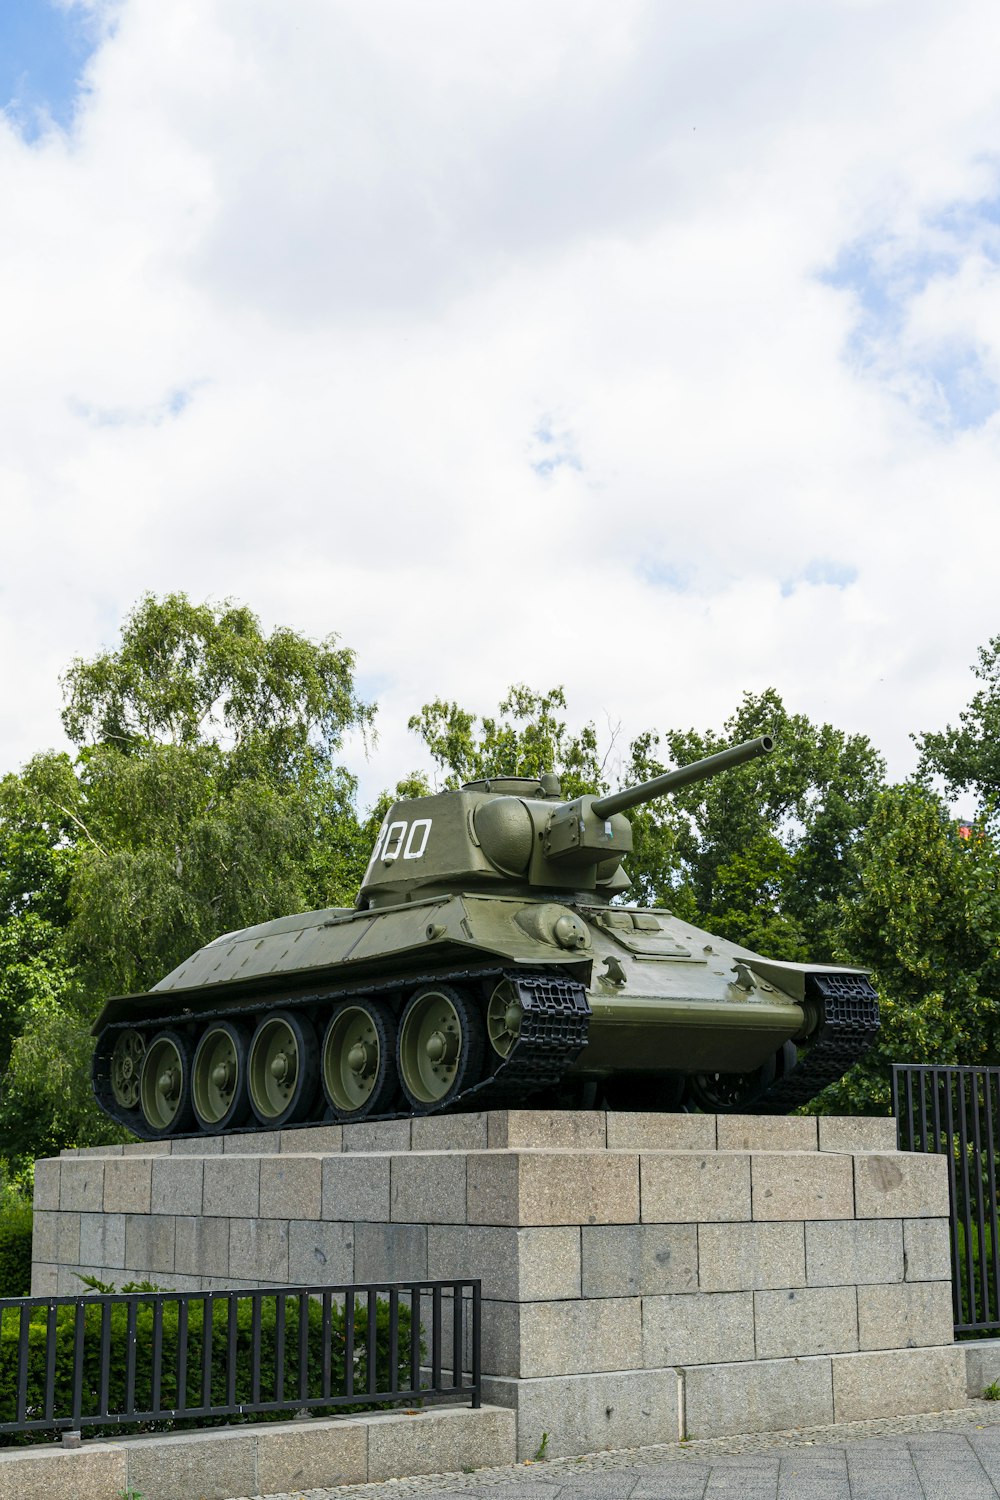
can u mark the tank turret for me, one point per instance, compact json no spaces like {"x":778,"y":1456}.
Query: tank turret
{"x":518,"y":834}
{"x":488,"y":960}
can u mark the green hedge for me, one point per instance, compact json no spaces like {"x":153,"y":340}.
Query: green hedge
{"x":15,"y":1250}
{"x":195,"y":1345}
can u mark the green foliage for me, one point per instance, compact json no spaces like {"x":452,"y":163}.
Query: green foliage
{"x":925,"y":919}
{"x":525,"y":739}
{"x":968,"y":758}
{"x":992,"y":1391}
{"x":15,"y":1243}
{"x":764,"y":854}
{"x":271,"y":1387}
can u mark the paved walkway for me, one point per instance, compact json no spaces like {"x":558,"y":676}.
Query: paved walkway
{"x":941,"y":1456}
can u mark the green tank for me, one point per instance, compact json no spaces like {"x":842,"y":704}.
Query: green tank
{"x":487,"y":961}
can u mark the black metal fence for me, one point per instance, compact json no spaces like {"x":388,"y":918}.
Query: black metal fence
{"x":955,"y":1112}
{"x":150,"y":1357}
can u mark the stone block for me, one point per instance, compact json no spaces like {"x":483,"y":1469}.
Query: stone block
{"x":201,"y":1247}
{"x":758,"y":1396}
{"x":258,"y":1250}
{"x":562,"y":1338}
{"x":296,"y":1456}
{"x":927,"y":1249}
{"x":356,"y":1187}
{"x":589,"y":1413}
{"x":376,"y":1135}
{"x":912,"y":1315}
{"x":46,"y":1189}
{"x":232,"y":1187}
{"x":697,"y":1328}
{"x":449,"y":1133}
{"x":547,"y":1130}
{"x":177,"y":1184}
{"x":113,"y":1150}
{"x":44,"y":1280}
{"x":390,"y":1252}
{"x":428,"y":1186}
{"x":81,"y":1184}
{"x":198,"y":1145}
{"x":857,"y":1133}
{"x":766,"y":1133}
{"x":44,"y":1239}
{"x":252,"y":1143}
{"x":210,"y":1465}
{"x":693,"y":1188}
{"x":750,"y":1257}
{"x":102,"y":1240}
{"x":320,"y":1254}
{"x":527,"y":1188}
{"x":97,"y":1471}
{"x":319,"y":1140}
{"x":516,"y":1265}
{"x":146,"y":1148}
{"x":650,"y":1131}
{"x":802,"y":1185}
{"x":898,"y":1382}
{"x":68,"y":1239}
{"x":806,"y":1320}
{"x":633,"y":1260}
{"x":438,"y":1441}
{"x":854,"y":1252}
{"x":982,"y":1363}
{"x":291,"y":1185}
{"x":149,"y":1244}
{"x":901,"y":1185}
{"x":127,"y":1184}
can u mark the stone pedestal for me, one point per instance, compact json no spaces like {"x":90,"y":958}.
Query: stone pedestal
{"x":644,"y":1276}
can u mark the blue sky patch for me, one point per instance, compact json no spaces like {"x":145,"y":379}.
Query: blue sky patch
{"x":552,"y":450}
{"x":44,"y":48}
{"x":819,"y":571}
{"x":661,"y":575}
{"x":946,"y":381}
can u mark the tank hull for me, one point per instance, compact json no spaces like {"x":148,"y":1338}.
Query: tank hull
{"x":597,"y":991}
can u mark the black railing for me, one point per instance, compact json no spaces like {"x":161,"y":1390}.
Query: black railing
{"x":955,"y":1112}
{"x":151,"y":1357}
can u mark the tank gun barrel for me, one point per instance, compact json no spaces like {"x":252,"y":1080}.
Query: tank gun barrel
{"x":698,"y":770}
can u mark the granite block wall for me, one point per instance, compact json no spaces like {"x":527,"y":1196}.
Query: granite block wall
{"x":644,"y":1276}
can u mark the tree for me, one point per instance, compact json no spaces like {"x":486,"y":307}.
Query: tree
{"x":925,"y":919}
{"x":204,"y":796}
{"x":764,"y":853}
{"x":968,"y":757}
{"x":525,"y":739}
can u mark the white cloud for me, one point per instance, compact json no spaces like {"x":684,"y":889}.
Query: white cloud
{"x":289,"y":315}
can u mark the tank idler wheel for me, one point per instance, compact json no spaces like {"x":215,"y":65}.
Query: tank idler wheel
{"x":165,"y":1085}
{"x":503,"y":1017}
{"x":359,"y":1061}
{"x":283,"y":1068}
{"x":440,"y":1048}
{"x":219,"y":1078}
{"x":728,"y":1093}
{"x":126,"y":1066}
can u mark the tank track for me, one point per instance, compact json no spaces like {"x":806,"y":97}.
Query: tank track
{"x":849,"y":1026}
{"x":556,"y":1018}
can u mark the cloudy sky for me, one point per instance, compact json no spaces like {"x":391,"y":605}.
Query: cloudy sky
{"x":648,"y":348}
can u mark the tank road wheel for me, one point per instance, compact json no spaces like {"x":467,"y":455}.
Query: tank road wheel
{"x":359,"y":1061}
{"x":728,"y":1093}
{"x":503,"y":1017}
{"x":126,"y":1065}
{"x":165,"y":1084}
{"x":219,"y":1078}
{"x":283,"y":1068}
{"x":440,"y":1047}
